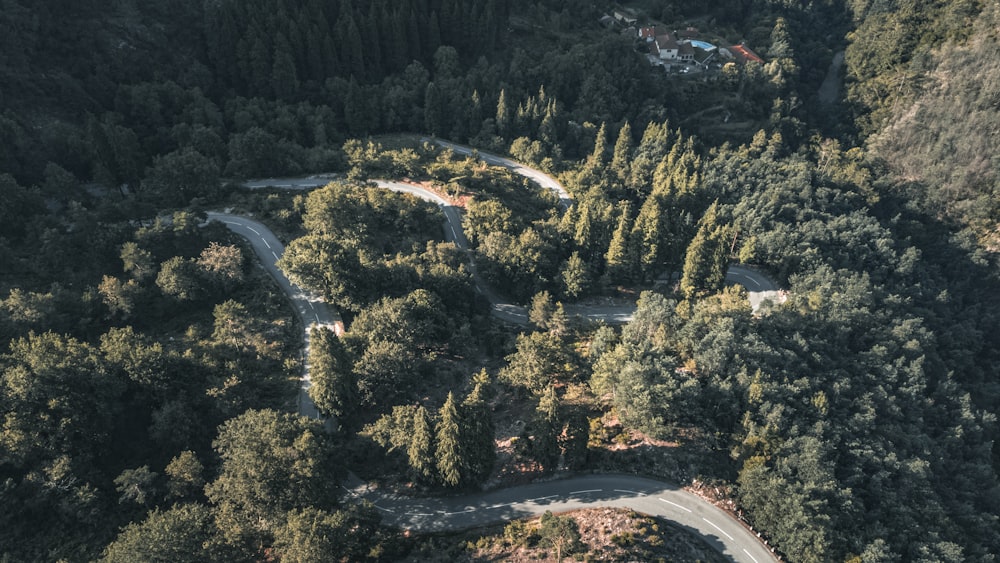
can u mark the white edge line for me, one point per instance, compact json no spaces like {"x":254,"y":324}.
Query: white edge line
{"x":717,"y":528}
{"x":751,"y":556}
{"x":675,"y":504}
{"x":630,"y":492}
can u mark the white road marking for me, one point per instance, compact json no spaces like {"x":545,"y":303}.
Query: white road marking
{"x":757,"y":283}
{"x":751,"y":556}
{"x":460,"y":512}
{"x":255,"y":231}
{"x":630,"y":492}
{"x":587,"y":491}
{"x":541,"y":498}
{"x":317,"y":317}
{"x":265,"y":242}
{"x":383,"y":509}
{"x":675,"y":504}
{"x":421,"y":514}
{"x":275,"y":255}
{"x":717,"y":528}
{"x":499,"y":505}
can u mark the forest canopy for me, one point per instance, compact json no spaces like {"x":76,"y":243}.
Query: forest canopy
{"x":148,"y":366}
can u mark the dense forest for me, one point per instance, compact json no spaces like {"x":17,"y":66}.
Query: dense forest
{"x":148,"y":367}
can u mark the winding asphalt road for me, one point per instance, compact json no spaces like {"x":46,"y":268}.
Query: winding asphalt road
{"x":692,"y":513}
{"x":310,"y":308}
{"x":717,"y":528}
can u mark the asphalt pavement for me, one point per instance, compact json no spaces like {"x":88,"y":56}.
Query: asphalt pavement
{"x":718,"y":529}
{"x":310,"y":308}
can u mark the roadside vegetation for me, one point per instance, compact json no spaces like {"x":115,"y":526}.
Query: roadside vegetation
{"x":148,"y":366}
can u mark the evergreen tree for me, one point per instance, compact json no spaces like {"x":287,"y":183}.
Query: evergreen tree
{"x":575,"y":277}
{"x":545,"y":429}
{"x":622,"y":155}
{"x":434,"y":110}
{"x":284,"y":77}
{"x":599,"y":156}
{"x":560,"y":533}
{"x":647,"y":239}
{"x":479,"y":440}
{"x":420,"y":450}
{"x":705,"y":262}
{"x":541,"y":310}
{"x":617,"y":257}
{"x":503,"y":116}
{"x":334,"y":388}
{"x":449,"y":453}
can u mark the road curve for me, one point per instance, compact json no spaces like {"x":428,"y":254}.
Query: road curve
{"x":310,"y":309}
{"x":719,"y":529}
{"x":716,"y":527}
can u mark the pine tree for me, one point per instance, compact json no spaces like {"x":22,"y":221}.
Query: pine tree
{"x":503,"y":116}
{"x":333,"y":389}
{"x":622,"y":155}
{"x":575,"y":277}
{"x":541,"y":310}
{"x":617,"y":257}
{"x":581,"y":236}
{"x":598,"y":157}
{"x":434,"y":112}
{"x":451,"y":459}
{"x":546,"y":429}
{"x":419,"y":451}
{"x":646,"y":239}
{"x":705,"y":262}
{"x":284,"y":77}
{"x":479,"y":440}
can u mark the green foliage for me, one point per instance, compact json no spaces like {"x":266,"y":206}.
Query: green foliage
{"x":707,"y":257}
{"x":186,"y":475}
{"x":313,"y":534}
{"x":560,"y":533}
{"x":59,"y":399}
{"x":334,"y":388}
{"x":175,"y":178}
{"x":541,"y":359}
{"x":185,"y":532}
{"x":449,"y":452}
{"x":271,"y":463}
